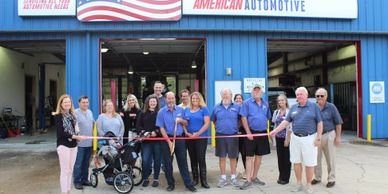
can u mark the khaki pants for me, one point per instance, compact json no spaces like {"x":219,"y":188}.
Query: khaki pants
{"x":328,"y":149}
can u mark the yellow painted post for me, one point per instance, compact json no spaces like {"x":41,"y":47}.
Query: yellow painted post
{"x":213,"y":136}
{"x":94,"y":139}
{"x":369,"y":130}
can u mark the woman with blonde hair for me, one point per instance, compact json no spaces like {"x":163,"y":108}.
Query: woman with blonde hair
{"x":198,"y":117}
{"x":282,"y":140}
{"x":109,"y":120}
{"x":130,"y":114}
{"x":67,"y":137}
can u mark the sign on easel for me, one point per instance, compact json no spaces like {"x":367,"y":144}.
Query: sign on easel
{"x":249,"y":83}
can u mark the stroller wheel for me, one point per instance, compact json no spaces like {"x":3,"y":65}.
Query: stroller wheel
{"x":123,"y":182}
{"x":137,"y":176}
{"x":94,"y":180}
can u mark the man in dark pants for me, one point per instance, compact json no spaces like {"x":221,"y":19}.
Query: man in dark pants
{"x":167,"y":117}
{"x":85,"y":123}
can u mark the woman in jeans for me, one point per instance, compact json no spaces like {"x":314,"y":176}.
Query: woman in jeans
{"x":109,"y":120}
{"x":198,"y":119}
{"x":67,"y":136}
{"x":151,"y":148}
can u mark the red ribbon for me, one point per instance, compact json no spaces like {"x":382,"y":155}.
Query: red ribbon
{"x":180,"y":138}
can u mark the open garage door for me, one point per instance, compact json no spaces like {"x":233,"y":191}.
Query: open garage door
{"x":32,"y":77}
{"x":131,"y":66}
{"x":314,"y":64}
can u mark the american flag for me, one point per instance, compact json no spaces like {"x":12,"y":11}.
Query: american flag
{"x":129,"y":10}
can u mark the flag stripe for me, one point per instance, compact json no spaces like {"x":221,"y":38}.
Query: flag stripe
{"x":156,"y":2}
{"x":122,"y":13}
{"x":148,"y":10}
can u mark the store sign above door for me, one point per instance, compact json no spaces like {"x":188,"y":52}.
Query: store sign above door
{"x":129,"y":10}
{"x":46,"y":7}
{"x":346,"y":9}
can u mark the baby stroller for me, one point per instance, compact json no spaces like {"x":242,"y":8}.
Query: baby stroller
{"x":121,"y":160}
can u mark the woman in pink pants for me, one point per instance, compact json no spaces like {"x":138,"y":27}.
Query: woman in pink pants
{"x":67,"y":137}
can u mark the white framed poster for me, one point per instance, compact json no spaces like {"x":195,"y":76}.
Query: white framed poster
{"x":376,"y":92}
{"x":249,"y":83}
{"x":234,"y":85}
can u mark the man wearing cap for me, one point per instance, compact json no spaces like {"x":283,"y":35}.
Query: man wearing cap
{"x":169,"y":116}
{"x":307,"y":126}
{"x":255,"y":114}
{"x":331,"y":137}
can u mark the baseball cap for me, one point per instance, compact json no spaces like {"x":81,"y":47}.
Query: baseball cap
{"x":257,"y":86}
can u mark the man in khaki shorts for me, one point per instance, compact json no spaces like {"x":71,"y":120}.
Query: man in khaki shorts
{"x":307,"y":126}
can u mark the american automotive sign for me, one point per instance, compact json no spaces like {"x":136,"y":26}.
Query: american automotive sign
{"x":285,"y":8}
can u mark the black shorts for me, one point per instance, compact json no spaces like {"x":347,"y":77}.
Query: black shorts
{"x":227,"y":147}
{"x":259,"y":146}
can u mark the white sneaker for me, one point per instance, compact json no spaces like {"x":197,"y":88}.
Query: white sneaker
{"x":234,"y":182}
{"x":309,"y":191}
{"x":222,"y":183}
{"x":298,"y":188}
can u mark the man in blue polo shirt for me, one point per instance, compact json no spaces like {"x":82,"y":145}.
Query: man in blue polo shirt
{"x":225,"y":117}
{"x":255,"y":114}
{"x":307,"y":129}
{"x":167,"y":117}
{"x":331,"y":137}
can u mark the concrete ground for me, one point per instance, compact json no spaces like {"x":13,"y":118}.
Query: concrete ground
{"x":34,"y":168}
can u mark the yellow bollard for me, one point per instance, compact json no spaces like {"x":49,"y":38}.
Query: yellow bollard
{"x":94,"y":139}
{"x":213,"y":136}
{"x":369,"y":129}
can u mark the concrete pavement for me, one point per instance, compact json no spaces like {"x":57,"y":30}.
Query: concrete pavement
{"x":33,"y":168}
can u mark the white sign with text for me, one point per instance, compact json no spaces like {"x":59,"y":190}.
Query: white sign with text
{"x":46,"y":7}
{"x":346,"y":9}
{"x":249,"y":83}
{"x":376,"y":92}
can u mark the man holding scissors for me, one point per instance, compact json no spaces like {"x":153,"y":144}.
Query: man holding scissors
{"x":170,"y":121}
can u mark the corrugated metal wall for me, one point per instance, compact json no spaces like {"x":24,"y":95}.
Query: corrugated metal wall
{"x":243,"y":50}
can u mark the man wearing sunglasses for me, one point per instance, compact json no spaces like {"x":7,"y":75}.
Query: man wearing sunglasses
{"x":331,"y":137}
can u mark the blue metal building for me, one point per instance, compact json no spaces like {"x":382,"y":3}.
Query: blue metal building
{"x":231,"y":41}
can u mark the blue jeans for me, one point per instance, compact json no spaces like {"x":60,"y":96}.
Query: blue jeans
{"x":150,"y":153}
{"x":181,"y":157}
{"x":81,"y":166}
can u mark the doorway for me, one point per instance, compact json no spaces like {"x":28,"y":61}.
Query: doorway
{"x":131,"y":66}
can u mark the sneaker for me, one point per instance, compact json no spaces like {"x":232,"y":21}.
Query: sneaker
{"x":222,"y":182}
{"x":155,"y":183}
{"x":234,"y":182}
{"x":298,"y":188}
{"x":109,"y":180}
{"x":146,"y":182}
{"x":78,"y":186}
{"x":258,"y":181}
{"x":309,"y":191}
{"x":246,"y":185}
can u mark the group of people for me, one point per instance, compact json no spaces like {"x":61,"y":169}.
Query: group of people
{"x":302,"y":133}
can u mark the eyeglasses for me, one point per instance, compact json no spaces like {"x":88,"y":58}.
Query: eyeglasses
{"x":319,"y":96}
